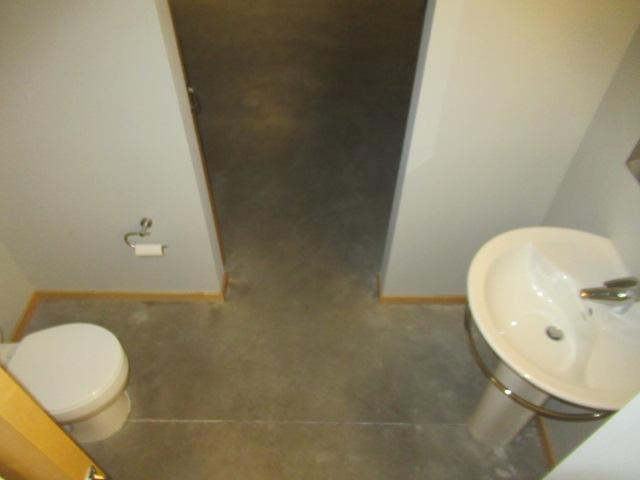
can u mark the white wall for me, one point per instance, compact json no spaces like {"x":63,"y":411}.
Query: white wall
{"x":95,"y":133}
{"x":15,"y":292}
{"x":503,"y":96}
{"x":612,"y":452}
{"x":599,"y":194}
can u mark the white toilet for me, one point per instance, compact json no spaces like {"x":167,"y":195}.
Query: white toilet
{"x":78,"y":373}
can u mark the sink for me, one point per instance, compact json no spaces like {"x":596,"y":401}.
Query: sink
{"x":523,"y":296}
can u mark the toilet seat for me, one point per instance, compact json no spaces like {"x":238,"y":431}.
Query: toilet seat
{"x":73,"y":370}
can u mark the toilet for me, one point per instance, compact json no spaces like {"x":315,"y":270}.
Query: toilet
{"x":78,"y":373}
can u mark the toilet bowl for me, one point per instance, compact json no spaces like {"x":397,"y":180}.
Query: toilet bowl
{"x":78,"y":373}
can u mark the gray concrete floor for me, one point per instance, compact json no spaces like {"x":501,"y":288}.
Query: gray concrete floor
{"x":292,"y":387}
{"x":302,"y":374}
{"x":303,"y":114}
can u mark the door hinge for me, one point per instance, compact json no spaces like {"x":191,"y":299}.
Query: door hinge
{"x":194,"y":100}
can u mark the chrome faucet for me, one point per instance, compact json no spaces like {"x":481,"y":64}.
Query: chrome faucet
{"x":624,"y":292}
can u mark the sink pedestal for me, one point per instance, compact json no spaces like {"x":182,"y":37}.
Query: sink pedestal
{"x":497,"y":419}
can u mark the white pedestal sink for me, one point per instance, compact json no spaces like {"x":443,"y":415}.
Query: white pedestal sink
{"x":523,"y":296}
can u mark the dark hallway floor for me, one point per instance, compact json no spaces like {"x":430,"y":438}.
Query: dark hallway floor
{"x":304,"y":108}
{"x":302,"y":374}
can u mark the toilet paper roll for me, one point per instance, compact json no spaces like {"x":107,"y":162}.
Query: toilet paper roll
{"x":149,"y":250}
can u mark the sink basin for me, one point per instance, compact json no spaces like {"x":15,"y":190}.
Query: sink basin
{"x":523,"y":295}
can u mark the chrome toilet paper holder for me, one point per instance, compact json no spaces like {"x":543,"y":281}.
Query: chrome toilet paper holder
{"x":145,"y":225}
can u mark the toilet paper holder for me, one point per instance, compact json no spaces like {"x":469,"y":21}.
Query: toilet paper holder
{"x":145,"y":225}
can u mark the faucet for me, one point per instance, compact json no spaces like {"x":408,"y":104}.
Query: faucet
{"x":623,"y":292}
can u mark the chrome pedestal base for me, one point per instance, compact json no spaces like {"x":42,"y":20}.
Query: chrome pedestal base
{"x":497,"y":418}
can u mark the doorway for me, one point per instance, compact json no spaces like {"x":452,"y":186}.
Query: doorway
{"x":303,"y":112}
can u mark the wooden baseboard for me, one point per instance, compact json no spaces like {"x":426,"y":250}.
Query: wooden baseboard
{"x":25,"y":318}
{"x":141,"y":296}
{"x":41,"y":295}
{"x":424,"y":299}
{"x":545,"y":441}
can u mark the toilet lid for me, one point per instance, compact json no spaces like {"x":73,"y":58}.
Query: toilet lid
{"x":67,"y":366}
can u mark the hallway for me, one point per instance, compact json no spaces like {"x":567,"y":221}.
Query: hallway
{"x":303,"y":114}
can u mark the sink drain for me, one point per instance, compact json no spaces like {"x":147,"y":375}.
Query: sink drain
{"x":554,"y":333}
